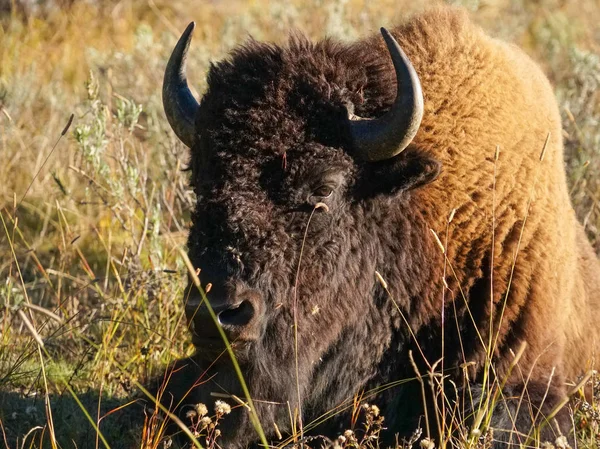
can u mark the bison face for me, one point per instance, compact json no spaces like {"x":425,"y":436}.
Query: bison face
{"x":298,"y":204}
{"x":259,"y":231}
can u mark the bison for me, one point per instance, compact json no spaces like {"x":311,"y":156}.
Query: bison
{"x":374,"y":213}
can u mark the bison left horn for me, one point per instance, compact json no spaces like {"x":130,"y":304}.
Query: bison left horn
{"x":179,"y":103}
{"x":386,"y":136}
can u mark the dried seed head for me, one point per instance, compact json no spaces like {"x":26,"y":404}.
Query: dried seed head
{"x":451,"y":217}
{"x":561,"y":442}
{"x":201,"y":409}
{"x":438,"y":241}
{"x":375,"y":410}
{"x":350,"y":437}
{"x":381,"y":280}
{"x":205,"y":422}
{"x":222,"y":408}
{"x":427,"y":443}
{"x":277,"y":432}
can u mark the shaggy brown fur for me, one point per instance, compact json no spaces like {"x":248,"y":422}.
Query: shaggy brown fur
{"x":272,"y":132}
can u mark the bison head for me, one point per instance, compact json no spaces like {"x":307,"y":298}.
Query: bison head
{"x":299,"y":203}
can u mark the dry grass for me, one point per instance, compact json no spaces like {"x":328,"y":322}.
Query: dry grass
{"x":91,"y":275}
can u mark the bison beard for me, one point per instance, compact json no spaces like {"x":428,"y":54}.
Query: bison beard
{"x":275,"y":135}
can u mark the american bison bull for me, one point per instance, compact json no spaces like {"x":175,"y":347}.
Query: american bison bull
{"x":430,"y":161}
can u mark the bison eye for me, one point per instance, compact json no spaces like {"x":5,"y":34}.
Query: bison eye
{"x":323,"y":192}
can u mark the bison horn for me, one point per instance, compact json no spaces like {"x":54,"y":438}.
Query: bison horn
{"x":386,"y":136}
{"x":179,"y":103}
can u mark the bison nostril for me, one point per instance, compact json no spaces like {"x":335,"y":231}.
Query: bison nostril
{"x":240,"y":315}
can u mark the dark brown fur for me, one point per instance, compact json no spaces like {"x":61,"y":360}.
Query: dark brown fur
{"x":271,"y":129}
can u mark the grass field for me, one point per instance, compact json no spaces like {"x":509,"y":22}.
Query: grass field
{"x":91,"y":277}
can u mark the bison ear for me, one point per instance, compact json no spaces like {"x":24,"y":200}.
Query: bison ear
{"x":407,"y":171}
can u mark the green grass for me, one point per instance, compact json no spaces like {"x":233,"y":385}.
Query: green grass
{"x":92,"y":230}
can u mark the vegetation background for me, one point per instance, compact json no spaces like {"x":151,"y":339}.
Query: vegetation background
{"x":91,"y":278}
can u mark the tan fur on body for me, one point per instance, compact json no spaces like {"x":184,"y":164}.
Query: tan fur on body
{"x":482,"y":94}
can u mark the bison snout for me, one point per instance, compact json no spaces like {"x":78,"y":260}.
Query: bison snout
{"x":239,"y":315}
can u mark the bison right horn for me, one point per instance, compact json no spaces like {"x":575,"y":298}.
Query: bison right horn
{"x":179,"y":103}
{"x":386,"y":136}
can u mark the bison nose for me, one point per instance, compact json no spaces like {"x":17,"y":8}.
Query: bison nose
{"x":240,"y":314}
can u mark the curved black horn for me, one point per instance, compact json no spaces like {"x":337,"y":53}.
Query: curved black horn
{"x":179,"y":103}
{"x":386,"y":136}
